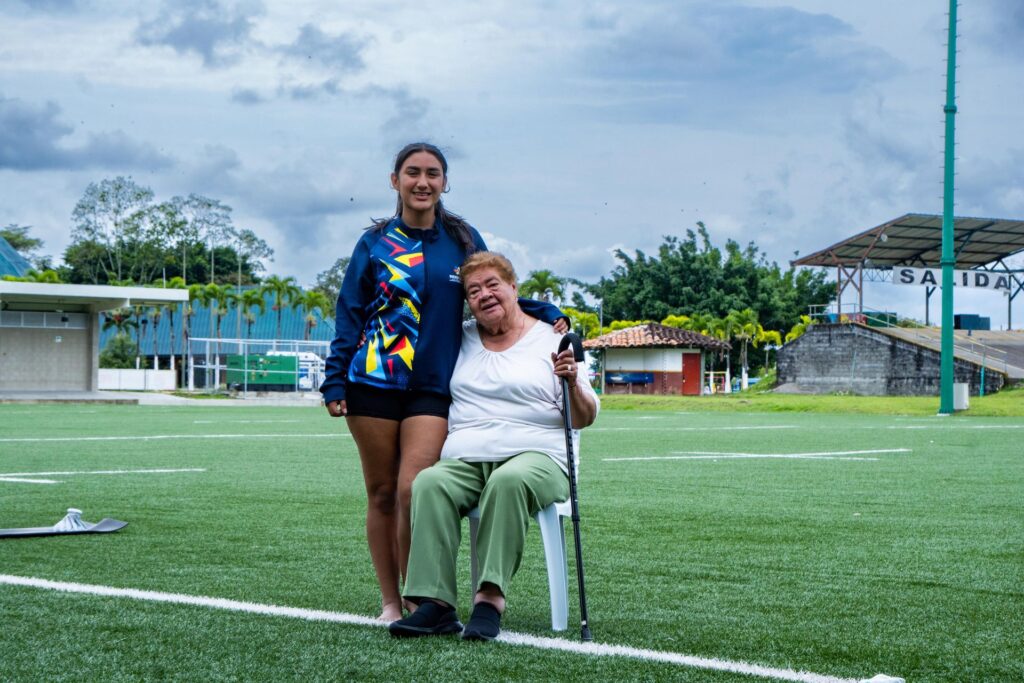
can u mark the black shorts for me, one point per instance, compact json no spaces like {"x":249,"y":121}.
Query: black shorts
{"x":394,"y":404}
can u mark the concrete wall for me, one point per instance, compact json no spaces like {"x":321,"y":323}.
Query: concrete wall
{"x":643,"y":360}
{"x":859,"y":360}
{"x":115,"y":379}
{"x":39,"y":359}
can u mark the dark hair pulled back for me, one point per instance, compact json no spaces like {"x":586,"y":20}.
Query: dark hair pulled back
{"x":454,"y":224}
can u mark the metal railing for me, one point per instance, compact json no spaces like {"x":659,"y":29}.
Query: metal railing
{"x":208,"y":358}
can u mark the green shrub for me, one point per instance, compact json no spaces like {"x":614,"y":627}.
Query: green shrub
{"x":120,"y":353}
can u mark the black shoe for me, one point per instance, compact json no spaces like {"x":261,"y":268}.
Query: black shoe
{"x":484,"y":623}
{"x":429,"y":619}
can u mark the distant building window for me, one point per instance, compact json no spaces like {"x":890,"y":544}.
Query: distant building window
{"x":47,"y":320}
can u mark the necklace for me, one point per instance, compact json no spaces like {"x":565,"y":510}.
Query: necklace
{"x":503,"y":341}
{"x":522,"y":329}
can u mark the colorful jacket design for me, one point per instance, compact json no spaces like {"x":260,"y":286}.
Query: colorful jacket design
{"x":394,"y":325}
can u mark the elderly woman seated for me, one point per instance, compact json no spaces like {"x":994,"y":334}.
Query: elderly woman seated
{"x":505,"y":452}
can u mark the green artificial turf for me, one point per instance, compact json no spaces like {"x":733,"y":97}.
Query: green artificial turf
{"x":910,"y":564}
{"x":1006,"y":403}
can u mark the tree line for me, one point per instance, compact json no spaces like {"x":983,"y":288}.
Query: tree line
{"x":121,"y":234}
{"x":735,"y":295}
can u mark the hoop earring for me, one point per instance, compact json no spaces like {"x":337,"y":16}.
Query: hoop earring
{"x":447,"y":188}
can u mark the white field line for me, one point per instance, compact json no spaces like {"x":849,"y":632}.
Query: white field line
{"x":246,"y":422}
{"x":714,"y":455}
{"x":687,"y":429}
{"x":161,"y":470}
{"x":594,"y":649}
{"x":34,"y":412}
{"x":26,"y":477}
{"x":738,"y":456}
{"x":160,"y":437}
{"x":949,"y":426}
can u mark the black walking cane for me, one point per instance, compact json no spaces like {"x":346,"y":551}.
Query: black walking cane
{"x":577,"y":352}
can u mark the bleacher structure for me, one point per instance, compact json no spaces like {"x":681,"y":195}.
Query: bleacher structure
{"x":853,"y":349}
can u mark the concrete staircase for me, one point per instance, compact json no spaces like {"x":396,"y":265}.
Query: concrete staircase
{"x":1001,"y":351}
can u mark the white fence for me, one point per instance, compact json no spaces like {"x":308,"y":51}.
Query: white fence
{"x":137,"y":380}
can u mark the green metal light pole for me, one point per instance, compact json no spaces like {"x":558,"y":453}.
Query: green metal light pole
{"x":948,"y":259}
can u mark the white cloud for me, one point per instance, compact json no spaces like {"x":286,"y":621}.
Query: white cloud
{"x":571,"y":127}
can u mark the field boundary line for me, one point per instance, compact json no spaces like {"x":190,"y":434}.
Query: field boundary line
{"x":560,"y":644}
{"x":940,"y":427}
{"x":688,"y":429}
{"x":715,"y":455}
{"x":160,"y":437}
{"x":26,"y":477}
{"x":158,"y":470}
{"x":211,"y":422}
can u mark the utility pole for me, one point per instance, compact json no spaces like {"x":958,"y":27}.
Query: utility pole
{"x":948,"y":259}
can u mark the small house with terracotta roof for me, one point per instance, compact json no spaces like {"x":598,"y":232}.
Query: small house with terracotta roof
{"x":654,"y":359}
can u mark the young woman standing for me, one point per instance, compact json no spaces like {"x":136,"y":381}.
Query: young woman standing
{"x":403,"y":295}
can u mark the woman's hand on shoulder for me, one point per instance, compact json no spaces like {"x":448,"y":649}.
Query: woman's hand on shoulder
{"x":337,"y":408}
{"x":561,"y":325}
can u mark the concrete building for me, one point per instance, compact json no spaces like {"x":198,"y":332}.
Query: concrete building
{"x":49,"y":334}
{"x":875,"y":361}
{"x":654,"y":359}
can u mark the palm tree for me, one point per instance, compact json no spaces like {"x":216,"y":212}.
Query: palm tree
{"x":584,"y":322}
{"x":722,"y":329}
{"x":285,"y":291}
{"x":219,"y":298}
{"x":702,"y":323}
{"x":798,"y":330}
{"x":311,"y":302}
{"x":195,"y":296}
{"x":543,"y":284}
{"x":121,"y":319}
{"x":748,"y":330}
{"x":155,"y":313}
{"x":772,"y":339}
{"x":251,"y":298}
{"x":176,"y":282}
{"x":140,"y":331}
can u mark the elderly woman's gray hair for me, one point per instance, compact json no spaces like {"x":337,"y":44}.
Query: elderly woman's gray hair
{"x":488,"y":259}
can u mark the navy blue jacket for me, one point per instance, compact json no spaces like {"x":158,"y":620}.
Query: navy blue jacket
{"x":441,"y":306}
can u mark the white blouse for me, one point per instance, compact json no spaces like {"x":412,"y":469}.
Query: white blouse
{"x":508,"y":402}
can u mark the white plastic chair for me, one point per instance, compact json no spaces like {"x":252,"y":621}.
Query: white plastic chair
{"x":552,"y":535}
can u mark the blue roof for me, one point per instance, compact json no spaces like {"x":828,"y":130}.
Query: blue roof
{"x":11,"y":262}
{"x":293,"y":326}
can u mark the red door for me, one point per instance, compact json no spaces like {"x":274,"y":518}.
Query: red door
{"x":691,"y":374}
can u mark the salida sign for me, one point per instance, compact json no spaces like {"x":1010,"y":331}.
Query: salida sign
{"x":932,"y":277}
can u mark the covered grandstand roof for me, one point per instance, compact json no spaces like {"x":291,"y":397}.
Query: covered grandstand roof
{"x":915,"y":239}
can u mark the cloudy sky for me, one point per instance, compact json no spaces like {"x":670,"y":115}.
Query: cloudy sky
{"x":572,"y":127}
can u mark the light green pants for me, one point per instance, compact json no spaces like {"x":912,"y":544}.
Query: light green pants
{"x":509,"y":493}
